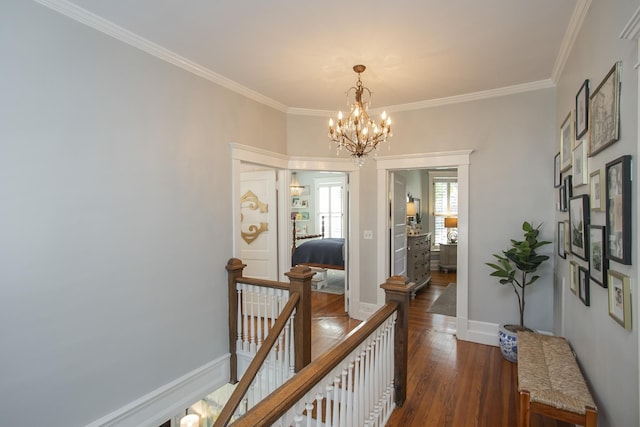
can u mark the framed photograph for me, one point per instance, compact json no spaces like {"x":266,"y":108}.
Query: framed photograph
{"x":582,"y":110}
{"x":578,"y":221}
{"x":567,"y":245}
{"x":304,"y":203}
{"x":296,"y":202}
{"x":619,"y":298}
{"x":566,"y":143}
{"x":598,"y":262}
{"x":579,"y":165}
{"x":304,"y":216}
{"x":568,"y":183}
{"x":604,"y":112}
{"x":596,"y":190}
{"x":562,"y":201}
{"x":557,"y":175}
{"x":583,"y":285}
{"x":573,"y":276}
{"x":618,"y":199}
{"x":561,"y":251}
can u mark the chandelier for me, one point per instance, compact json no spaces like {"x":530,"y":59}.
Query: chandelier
{"x":358,"y":133}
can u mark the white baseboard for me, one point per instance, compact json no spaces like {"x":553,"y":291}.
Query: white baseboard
{"x":482,"y":333}
{"x":362,"y":310}
{"x":163,"y":403}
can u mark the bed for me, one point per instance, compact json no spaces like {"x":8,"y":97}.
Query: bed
{"x":317,"y":251}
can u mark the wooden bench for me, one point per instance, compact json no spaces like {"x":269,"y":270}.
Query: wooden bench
{"x":550,"y":382}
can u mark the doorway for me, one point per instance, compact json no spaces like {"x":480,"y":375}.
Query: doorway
{"x":459,"y":160}
{"x":242,"y":154}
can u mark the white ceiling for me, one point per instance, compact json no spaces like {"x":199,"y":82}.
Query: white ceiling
{"x":299,"y":54}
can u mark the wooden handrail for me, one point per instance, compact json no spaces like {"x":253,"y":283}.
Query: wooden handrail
{"x":263,"y":282}
{"x":269,"y":410}
{"x":257,"y":362}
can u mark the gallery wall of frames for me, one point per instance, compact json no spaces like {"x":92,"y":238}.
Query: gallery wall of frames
{"x":593,"y":249}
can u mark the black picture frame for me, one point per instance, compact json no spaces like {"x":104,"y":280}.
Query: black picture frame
{"x":618,"y":207}
{"x":598,"y":262}
{"x":557,"y":175}
{"x":562,"y":199}
{"x":582,"y":110}
{"x":568,"y":183}
{"x":604,"y":112}
{"x":583,"y":286}
{"x":561,"y":245}
{"x":578,"y":221}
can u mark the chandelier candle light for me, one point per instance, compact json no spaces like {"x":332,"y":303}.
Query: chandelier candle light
{"x":358,"y":133}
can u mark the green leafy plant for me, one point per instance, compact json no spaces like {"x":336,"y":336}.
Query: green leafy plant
{"x":521,"y":258}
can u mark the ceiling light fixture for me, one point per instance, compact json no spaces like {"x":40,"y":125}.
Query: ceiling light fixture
{"x":358,"y":133}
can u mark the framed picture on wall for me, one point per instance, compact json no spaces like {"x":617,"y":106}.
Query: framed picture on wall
{"x":578,"y":221}
{"x":618,"y":198}
{"x":582,"y":110}
{"x":579,"y":164}
{"x":604,"y":112}
{"x":566,"y":143}
{"x":598,"y":262}
{"x":583,"y":285}
{"x":619,"y":298}
{"x":561,"y":251}
{"x":557,"y":175}
{"x":596,"y":190}
{"x":573,"y":276}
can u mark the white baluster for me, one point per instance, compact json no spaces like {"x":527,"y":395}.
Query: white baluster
{"x":319,"y":413}
{"x":344,"y":391}
{"x":252,"y":340}
{"x":329,"y":406}
{"x":245,"y":316}
{"x":336,"y":400}
{"x":349,"y":388}
{"x":258,"y":318}
{"x":239,"y":317}
{"x":309,"y":408}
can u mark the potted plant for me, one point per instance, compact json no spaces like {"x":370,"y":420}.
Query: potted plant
{"x":516,"y":267}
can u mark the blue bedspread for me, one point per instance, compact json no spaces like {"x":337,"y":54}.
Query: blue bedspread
{"x":329,"y":252}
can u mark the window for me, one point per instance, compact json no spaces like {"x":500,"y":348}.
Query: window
{"x":330,"y":203}
{"x":445,"y":203}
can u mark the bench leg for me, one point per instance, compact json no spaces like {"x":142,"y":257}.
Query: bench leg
{"x":591,"y":418}
{"x":524,"y":418}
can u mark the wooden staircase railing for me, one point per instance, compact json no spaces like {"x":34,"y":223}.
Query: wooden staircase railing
{"x":364,"y":351}
{"x":286,"y":348}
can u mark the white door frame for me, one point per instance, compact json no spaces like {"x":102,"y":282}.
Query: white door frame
{"x":243,"y":153}
{"x":458,"y":159}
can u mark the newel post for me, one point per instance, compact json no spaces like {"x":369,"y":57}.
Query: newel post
{"x":234,"y":268}
{"x":300,"y":282}
{"x":398,"y":289}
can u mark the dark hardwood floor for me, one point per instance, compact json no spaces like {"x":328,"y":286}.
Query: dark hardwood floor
{"x":451,"y":383}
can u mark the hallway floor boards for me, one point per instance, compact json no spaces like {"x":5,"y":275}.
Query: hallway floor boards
{"x":451,"y":383}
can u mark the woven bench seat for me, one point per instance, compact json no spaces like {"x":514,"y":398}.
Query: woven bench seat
{"x":550,"y":382}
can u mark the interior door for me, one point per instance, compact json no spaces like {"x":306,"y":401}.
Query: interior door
{"x":258,"y":240}
{"x":398,"y":226}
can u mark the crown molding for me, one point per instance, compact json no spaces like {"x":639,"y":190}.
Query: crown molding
{"x":631,"y":31}
{"x":485,"y":94}
{"x":98,"y":23}
{"x":570,"y":36}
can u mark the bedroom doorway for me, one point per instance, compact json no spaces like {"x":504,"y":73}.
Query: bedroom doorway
{"x":458,"y":160}
{"x":320,"y":227}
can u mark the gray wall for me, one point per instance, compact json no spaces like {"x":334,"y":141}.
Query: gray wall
{"x":607,"y":352}
{"x":115,"y":220}
{"x":511,"y":176}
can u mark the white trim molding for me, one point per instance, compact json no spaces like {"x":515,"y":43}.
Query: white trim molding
{"x":163,"y":403}
{"x":570,"y":36}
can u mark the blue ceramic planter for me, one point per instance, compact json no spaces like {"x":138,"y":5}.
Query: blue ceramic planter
{"x":508,"y":343}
